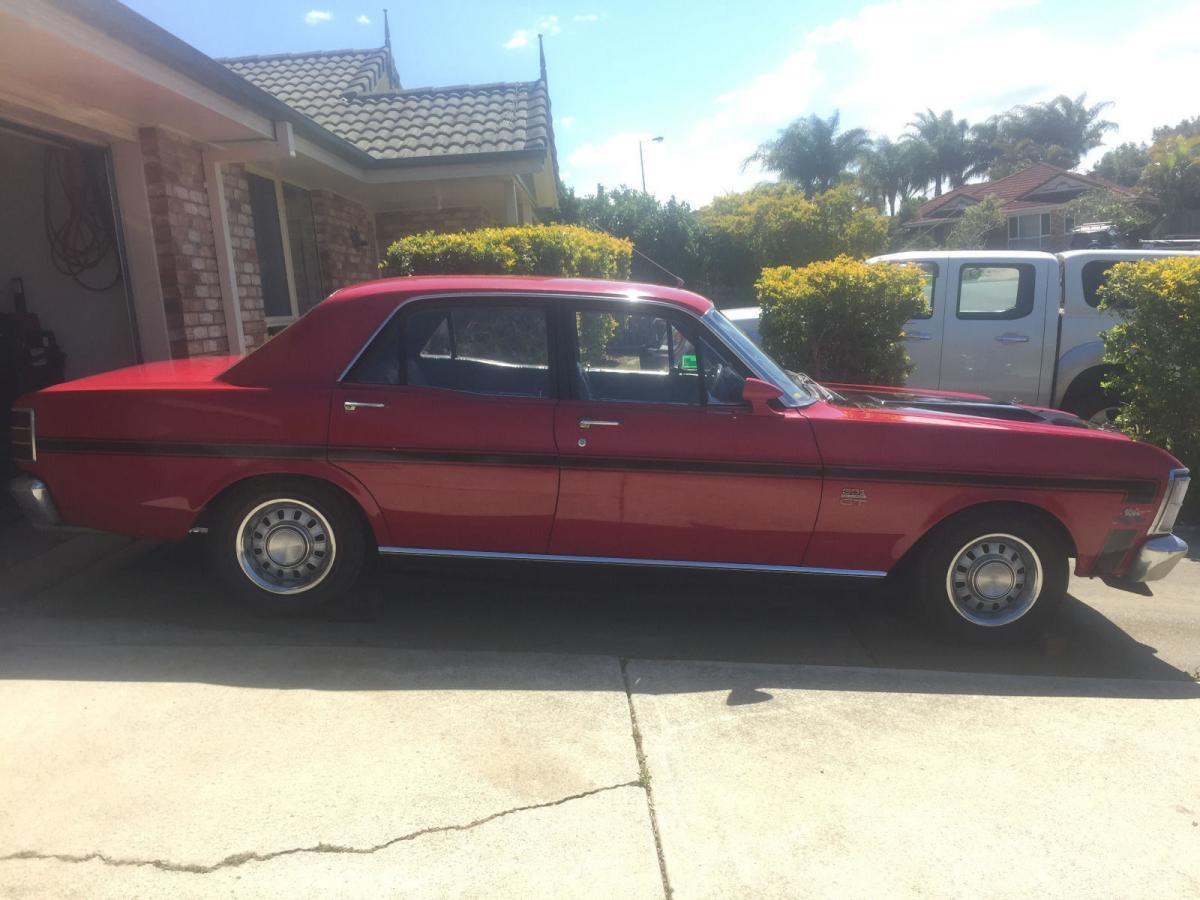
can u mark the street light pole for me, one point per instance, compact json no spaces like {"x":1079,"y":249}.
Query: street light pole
{"x":642,"y":159}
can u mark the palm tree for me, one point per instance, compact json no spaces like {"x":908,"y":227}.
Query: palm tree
{"x":1065,"y":128}
{"x":894,"y":170}
{"x":949,"y":147}
{"x":812,"y":152}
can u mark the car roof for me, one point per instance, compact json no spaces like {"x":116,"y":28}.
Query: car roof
{"x":451,"y":285}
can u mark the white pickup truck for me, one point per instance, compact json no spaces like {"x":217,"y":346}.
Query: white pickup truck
{"x":1015,"y":325}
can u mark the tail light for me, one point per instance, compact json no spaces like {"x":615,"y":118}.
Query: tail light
{"x":1172,"y":501}
{"x":22,"y":435}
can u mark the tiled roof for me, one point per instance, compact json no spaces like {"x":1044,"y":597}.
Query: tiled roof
{"x":1011,"y":190}
{"x":356,"y":95}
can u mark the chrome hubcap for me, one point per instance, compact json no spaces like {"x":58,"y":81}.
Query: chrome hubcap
{"x":994,"y":580}
{"x":285,"y":546}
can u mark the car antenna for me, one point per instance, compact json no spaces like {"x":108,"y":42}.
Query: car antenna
{"x":678,"y":281}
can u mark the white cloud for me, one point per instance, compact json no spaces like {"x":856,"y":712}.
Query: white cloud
{"x":888,"y":60}
{"x":520,"y":38}
{"x":363,"y":20}
{"x":549,"y":25}
{"x":317,"y":16}
{"x":586,"y":17}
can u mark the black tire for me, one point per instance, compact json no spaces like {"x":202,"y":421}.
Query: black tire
{"x":1090,"y":404}
{"x":332,"y":552}
{"x":977,"y":603}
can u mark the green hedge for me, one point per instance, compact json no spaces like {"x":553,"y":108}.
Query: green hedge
{"x":1155,"y":355}
{"x":565,"y":250}
{"x":841,"y":319}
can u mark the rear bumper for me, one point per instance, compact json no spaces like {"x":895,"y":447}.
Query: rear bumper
{"x":1157,"y":558}
{"x":33,"y":497}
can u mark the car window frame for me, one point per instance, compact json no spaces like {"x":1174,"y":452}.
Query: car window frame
{"x":1026,"y":292}
{"x":689,"y":326}
{"x":452,"y":303}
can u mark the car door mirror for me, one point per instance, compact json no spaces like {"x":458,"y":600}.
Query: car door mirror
{"x":759,"y":394}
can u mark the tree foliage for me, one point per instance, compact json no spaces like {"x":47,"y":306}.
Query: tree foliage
{"x":1124,"y":164}
{"x":813,"y":153}
{"x":1155,"y":353}
{"x":950,"y":156}
{"x":526,"y":250}
{"x":1172,"y":173}
{"x":1127,"y":216}
{"x":776,"y":224}
{"x":841,"y":319}
{"x":892,"y":171}
{"x":976,"y":225}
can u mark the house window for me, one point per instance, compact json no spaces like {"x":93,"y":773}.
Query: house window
{"x":1035,"y":225}
{"x":285,"y":237}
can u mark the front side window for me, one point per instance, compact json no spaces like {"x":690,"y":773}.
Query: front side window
{"x":473,"y":348}
{"x":634,"y":357}
{"x":995,"y":292}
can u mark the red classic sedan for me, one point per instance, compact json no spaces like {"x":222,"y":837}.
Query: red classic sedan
{"x":587,"y":421}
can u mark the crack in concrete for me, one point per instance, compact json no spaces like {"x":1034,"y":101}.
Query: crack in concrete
{"x":644,"y":781}
{"x":241,"y":859}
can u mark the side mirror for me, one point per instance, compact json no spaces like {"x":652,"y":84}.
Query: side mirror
{"x":759,"y":394}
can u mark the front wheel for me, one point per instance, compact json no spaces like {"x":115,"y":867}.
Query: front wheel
{"x":288,"y":548}
{"x":992,"y":576}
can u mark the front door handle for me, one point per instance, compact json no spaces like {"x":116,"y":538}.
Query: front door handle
{"x":607,"y":423}
{"x":352,"y":405}
{"x":918,"y":336}
{"x":1011,"y":338}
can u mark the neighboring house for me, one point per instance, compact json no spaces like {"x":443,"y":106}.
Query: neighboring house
{"x":157,"y":203}
{"x":1033,"y":200}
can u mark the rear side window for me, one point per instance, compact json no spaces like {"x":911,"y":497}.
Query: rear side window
{"x":478,"y":349}
{"x":995,"y":292}
{"x":931,"y":275}
{"x":1093,"y":275}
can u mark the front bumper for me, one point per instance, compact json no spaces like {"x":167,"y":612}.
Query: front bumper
{"x":1157,"y":558}
{"x":33,"y":497}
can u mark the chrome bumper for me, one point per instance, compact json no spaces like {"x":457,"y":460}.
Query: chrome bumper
{"x":1157,"y":558}
{"x":33,"y":497}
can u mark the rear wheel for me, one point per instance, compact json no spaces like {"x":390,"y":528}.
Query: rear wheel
{"x":992,"y":576}
{"x":288,"y":547}
{"x":1096,"y":406}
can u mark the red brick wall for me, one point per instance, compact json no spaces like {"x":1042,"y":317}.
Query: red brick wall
{"x":246,"y":268}
{"x":337,"y":222}
{"x":183,"y":238}
{"x":392,"y":226}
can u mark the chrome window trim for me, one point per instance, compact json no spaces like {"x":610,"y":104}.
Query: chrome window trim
{"x":1175,"y":479}
{"x":556,"y":295}
{"x":32,"y":431}
{"x":630,"y":561}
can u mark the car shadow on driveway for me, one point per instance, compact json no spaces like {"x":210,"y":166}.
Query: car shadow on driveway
{"x":167,"y":598}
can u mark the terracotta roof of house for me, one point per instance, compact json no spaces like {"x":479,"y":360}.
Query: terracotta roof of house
{"x":356,"y":95}
{"x":1012,"y":189}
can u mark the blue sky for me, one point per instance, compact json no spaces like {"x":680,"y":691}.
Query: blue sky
{"x":716,"y":78}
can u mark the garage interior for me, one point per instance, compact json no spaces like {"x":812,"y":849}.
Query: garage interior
{"x":64,"y":308}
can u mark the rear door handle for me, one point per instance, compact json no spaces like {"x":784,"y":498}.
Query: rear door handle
{"x":1011,"y":338}
{"x":918,"y":336}
{"x":607,"y":423}
{"x":352,"y":405}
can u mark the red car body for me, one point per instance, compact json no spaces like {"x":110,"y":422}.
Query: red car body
{"x":827,"y":487}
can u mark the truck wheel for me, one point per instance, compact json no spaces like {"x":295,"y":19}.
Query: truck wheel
{"x":992,"y":576}
{"x":1097,"y":407}
{"x":288,"y":548}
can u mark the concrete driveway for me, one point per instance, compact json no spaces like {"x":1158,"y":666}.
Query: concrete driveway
{"x":508,"y":730}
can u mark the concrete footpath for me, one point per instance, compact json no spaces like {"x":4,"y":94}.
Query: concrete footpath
{"x":306,"y":771}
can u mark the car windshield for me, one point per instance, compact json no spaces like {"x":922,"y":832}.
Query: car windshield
{"x":794,"y":388}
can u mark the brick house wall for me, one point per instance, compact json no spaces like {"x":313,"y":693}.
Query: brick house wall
{"x":245,"y":255}
{"x":346,"y":242}
{"x":184,"y":244}
{"x":392,"y":226}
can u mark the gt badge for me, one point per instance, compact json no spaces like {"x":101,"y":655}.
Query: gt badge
{"x":853,"y":497}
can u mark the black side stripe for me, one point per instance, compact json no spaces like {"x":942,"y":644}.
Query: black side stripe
{"x":1135,"y":491}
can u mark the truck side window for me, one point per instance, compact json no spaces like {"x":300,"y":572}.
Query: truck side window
{"x":1093,"y":276}
{"x":996,"y":292}
{"x":931,"y":274}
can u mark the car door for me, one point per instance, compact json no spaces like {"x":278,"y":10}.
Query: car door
{"x":923,"y":335}
{"x":447,"y":418}
{"x":995,"y":324}
{"x":660,"y":458}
